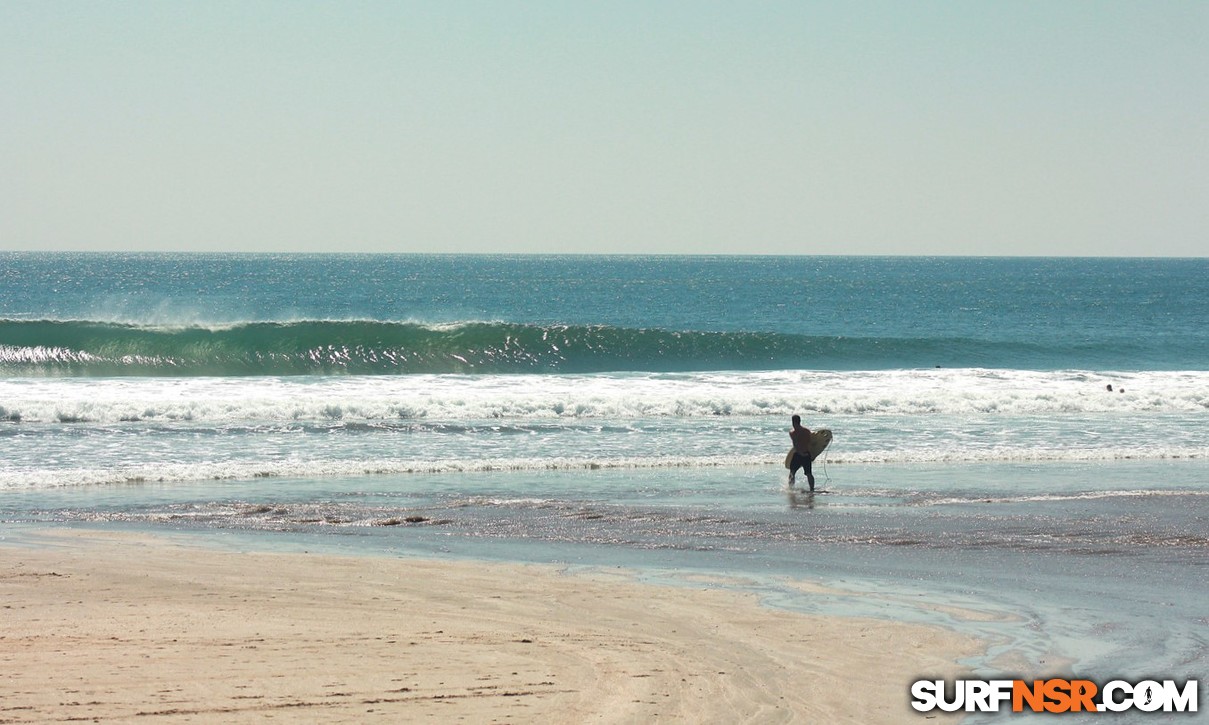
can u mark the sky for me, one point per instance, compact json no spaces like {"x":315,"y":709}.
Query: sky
{"x":696,"y":127}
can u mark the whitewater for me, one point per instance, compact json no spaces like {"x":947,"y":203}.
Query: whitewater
{"x":242,"y":427}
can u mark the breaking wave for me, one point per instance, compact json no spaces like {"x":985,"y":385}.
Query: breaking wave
{"x":368,"y":347}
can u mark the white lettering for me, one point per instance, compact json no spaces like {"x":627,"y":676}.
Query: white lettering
{"x":1180,"y":701}
{"x":1110,"y":702}
{"x":924,"y":693}
{"x":984,"y":696}
{"x":978,"y":696}
{"x":959,"y":696}
{"x":1002,"y":692}
{"x":1148,"y":695}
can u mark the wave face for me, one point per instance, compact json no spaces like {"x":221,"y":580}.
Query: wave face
{"x":368,"y":347}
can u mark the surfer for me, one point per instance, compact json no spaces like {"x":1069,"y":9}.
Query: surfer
{"x":801,"y":451}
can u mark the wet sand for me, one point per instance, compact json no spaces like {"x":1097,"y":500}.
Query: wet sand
{"x":137,"y":628}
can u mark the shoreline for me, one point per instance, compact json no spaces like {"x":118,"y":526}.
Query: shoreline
{"x":118,"y":626}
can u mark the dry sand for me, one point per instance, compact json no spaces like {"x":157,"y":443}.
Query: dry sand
{"x":124,"y":628}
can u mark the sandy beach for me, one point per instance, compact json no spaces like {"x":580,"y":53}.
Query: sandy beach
{"x":126,"y":628}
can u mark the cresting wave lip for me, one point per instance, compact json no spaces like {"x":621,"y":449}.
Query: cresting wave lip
{"x":371,"y":347}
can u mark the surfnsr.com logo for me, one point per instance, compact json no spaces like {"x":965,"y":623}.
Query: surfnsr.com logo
{"x":1054,"y":695}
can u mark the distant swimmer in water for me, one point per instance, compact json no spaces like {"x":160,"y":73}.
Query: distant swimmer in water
{"x":801,"y":452}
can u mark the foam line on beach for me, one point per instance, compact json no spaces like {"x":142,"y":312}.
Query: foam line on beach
{"x":245,"y":470}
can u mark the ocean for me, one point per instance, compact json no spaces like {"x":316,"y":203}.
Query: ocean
{"x":633,"y":411}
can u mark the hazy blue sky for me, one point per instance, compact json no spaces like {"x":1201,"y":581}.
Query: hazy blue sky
{"x":1051,"y":127}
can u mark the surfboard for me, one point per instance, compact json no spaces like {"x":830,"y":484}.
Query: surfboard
{"x":819,"y":440}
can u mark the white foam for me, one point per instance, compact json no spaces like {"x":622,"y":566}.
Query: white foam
{"x":457,"y":397}
{"x":188,"y":429}
{"x":250,"y":470}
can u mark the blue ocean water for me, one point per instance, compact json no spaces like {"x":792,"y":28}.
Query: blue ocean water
{"x":308,"y":314}
{"x":634,"y":410}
